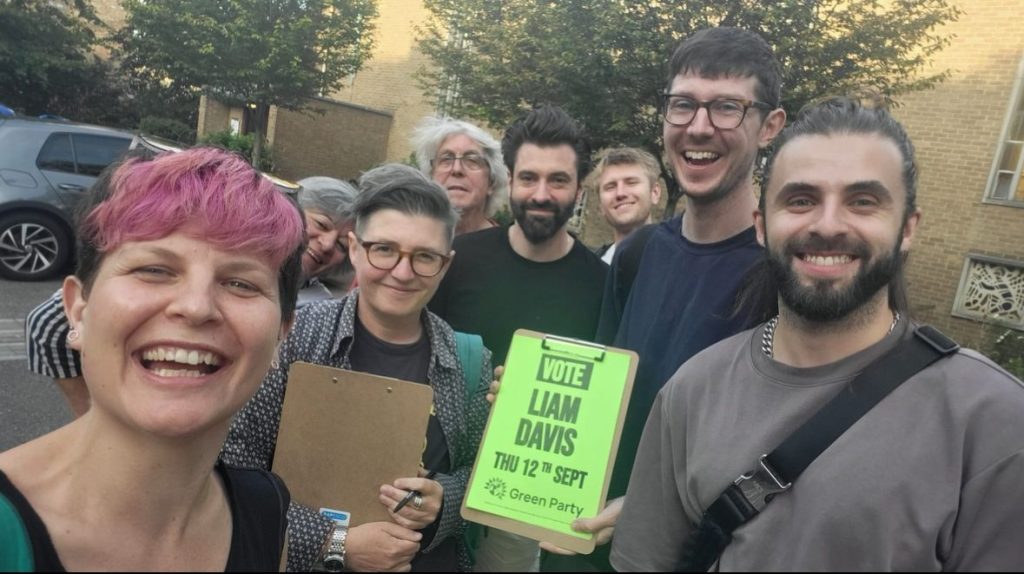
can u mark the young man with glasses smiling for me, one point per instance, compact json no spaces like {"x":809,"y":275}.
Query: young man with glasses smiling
{"x":721,"y":106}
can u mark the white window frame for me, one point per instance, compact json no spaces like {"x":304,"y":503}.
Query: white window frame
{"x":1016,"y":100}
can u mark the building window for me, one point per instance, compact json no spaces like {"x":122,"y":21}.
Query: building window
{"x":1006,"y":184}
{"x":992,"y":289}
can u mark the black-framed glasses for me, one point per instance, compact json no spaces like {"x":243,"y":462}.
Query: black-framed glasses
{"x":470,"y":162}
{"x":723,"y":113}
{"x":386,"y":256}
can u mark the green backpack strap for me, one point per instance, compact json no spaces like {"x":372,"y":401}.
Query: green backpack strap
{"x":471,"y":354}
{"x":15,"y":548}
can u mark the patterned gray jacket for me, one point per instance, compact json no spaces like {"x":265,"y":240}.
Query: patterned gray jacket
{"x":323,"y":334}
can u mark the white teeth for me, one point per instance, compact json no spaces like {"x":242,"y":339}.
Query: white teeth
{"x":827,"y":260}
{"x":177,"y":373}
{"x":183,"y":356}
{"x":701,"y":155}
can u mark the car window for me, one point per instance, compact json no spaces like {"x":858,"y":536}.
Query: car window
{"x":56,"y":154}
{"x":97,"y":152}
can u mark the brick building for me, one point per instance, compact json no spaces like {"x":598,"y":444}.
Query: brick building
{"x":967,"y":263}
{"x":366,"y":122}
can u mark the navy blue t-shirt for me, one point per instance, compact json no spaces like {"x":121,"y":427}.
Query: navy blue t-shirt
{"x":681,"y":302}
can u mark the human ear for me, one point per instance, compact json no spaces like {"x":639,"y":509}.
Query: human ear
{"x":73,"y":293}
{"x":771,"y":126}
{"x":759,"y":227}
{"x":909,"y":229}
{"x":352,"y":245}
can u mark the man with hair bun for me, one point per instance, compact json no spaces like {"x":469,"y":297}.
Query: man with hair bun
{"x":928,"y":479}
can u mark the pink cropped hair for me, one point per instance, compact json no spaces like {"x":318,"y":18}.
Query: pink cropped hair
{"x":214,"y":191}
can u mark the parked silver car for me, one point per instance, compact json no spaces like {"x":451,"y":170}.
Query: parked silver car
{"x":45,"y":168}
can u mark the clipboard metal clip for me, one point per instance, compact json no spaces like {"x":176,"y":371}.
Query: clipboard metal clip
{"x":580,"y":348}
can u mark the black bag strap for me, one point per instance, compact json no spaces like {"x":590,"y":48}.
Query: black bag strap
{"x":775,"y":472}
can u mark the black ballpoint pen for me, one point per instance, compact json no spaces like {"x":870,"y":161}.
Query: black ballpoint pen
{"x":412,"y":494}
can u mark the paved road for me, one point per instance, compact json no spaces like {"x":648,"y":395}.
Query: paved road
{"x":30,"y":405}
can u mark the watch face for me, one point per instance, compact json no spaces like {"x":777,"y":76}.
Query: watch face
{"x":334,"y":563}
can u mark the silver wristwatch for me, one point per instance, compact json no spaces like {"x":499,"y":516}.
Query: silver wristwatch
{"x":334,"y":549}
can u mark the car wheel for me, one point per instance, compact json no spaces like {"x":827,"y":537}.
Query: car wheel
{"x":33,"y":247}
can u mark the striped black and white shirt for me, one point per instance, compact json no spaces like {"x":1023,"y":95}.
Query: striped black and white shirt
{"x":46,"y":340}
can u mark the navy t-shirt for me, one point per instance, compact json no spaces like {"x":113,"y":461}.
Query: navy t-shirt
{"x":681,"y":302}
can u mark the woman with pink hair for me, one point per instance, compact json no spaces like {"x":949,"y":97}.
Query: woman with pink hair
{"x":188,"y":267}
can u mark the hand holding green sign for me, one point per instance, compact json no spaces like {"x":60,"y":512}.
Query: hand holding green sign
{"x":549,"y":447}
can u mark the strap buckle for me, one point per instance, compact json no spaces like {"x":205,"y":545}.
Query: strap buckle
{"x":936,"y":339}
{"x":760,"y":485}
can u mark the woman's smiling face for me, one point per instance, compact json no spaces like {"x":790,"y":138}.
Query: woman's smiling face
{"x":176,"y":334}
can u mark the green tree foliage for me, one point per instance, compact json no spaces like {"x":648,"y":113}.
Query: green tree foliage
{"x":48,"y":64}
{"x":242,"y":144}
{"x":606,"y":61}
{"x":46,"y":61}
{"x":263,"y":52}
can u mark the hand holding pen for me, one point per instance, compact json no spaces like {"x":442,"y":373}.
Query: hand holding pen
{"x":413,"y":502}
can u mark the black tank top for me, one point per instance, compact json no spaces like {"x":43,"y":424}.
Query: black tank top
{"x":258,"y":502}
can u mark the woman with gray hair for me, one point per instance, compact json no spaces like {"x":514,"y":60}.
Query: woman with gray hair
{"x":327,"y":203}
{"x":467,"y":162}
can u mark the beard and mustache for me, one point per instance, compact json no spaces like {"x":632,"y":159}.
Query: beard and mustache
{"x":824,"y":301}
{"x":540,"y":228}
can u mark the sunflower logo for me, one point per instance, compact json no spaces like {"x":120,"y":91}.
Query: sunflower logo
{"x":496,"y":487}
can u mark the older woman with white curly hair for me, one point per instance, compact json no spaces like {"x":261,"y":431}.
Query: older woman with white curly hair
{"x":467,"y":162}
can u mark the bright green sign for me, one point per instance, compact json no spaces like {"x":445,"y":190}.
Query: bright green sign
{"x":545,"y":456}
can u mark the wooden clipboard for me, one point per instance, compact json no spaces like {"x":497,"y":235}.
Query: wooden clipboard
{"x":344,"y":433}
{"x":521,"y":368}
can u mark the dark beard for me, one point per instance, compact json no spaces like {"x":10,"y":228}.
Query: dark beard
{"x":540,"y":229}
{"x":821,"y":302}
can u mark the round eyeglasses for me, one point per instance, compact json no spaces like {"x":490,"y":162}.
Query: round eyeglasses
{"x":723,"y":113}
{"x":386,"y":256}
{"x":470,"y":162}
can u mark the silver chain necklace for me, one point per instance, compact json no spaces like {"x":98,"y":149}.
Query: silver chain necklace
{"x":768,"y":339}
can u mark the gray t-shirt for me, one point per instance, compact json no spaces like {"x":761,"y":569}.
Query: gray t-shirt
{"x":932,"y":478}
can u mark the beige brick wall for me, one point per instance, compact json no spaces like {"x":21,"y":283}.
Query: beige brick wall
{"x":342,"y":142}
{"x":386,"y":81}
{"x":956,"y":129}
{"x":213,"y":116}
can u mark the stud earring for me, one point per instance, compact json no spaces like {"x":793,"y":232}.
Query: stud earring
{"x":73,"y":335}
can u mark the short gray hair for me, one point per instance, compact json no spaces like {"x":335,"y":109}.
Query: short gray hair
{"x":433,"y":131}
{"x":329,"y":196}
{"x":402,"y":188}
